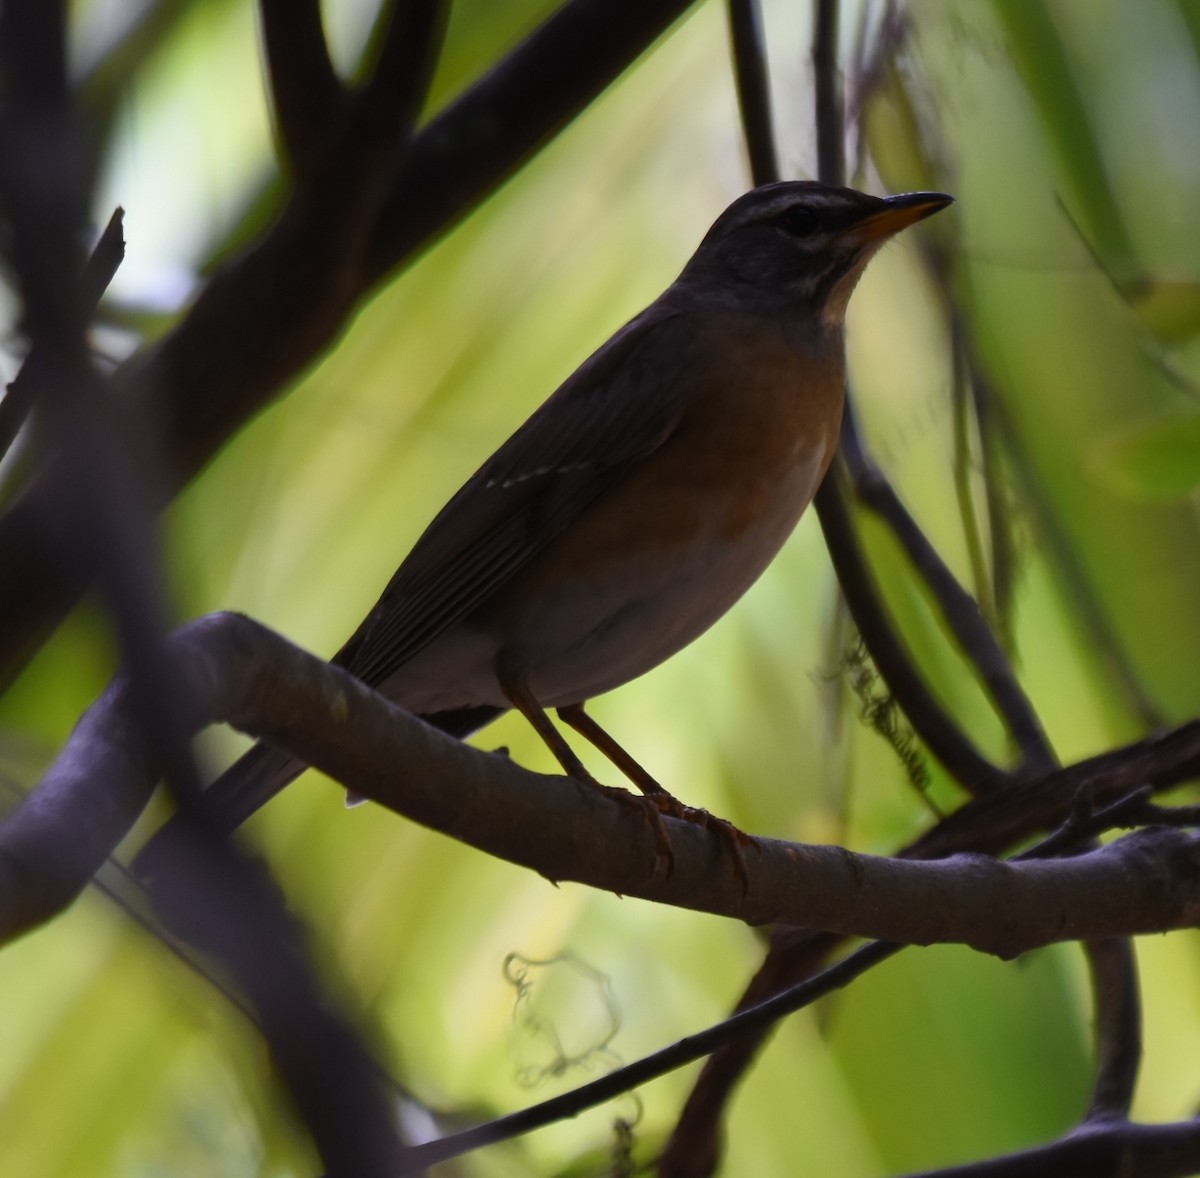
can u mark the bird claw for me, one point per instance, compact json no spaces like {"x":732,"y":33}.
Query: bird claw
{"x":734,"y":840}
{"x":651,"y":812}
{"x":653,"y":806}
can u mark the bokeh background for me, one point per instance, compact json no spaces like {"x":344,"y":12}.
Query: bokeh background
{"x":1068,"y":130}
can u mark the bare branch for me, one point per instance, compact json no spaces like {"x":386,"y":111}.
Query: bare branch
{"x":1107,"y":1149}
{"x":308,"y":97}
{"x":98,"y":272}
{"x":753,"y":88}
{"x":1118,"y":1019}
{"x":956,"y":606}
{"x":266,"y":316}
{"x":940,"y":733}
{"x":241,"y":672}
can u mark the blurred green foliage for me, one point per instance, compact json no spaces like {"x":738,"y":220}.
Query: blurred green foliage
{"x":1067,"y":131}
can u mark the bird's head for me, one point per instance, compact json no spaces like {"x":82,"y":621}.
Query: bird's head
{"x":800,"y":246}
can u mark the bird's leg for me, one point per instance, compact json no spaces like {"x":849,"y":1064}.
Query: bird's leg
{"x":735,"y":840}
{"x":514,"y":683}
{"x":577,"y":718}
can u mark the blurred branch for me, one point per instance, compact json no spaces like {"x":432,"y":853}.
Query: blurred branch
{"x":265,"y":316}
{"x":660,"y":1063}
{"x":827,"y":92}
{"x":98,"y":272}
{"x":102,"y":89}
{"x":753,"y":88}
{"x":940,"y":733}
{"x":1106,"y":1149}
{"x":100,"y":523}
{"x":957,"y":607}
{"x":308,"y":98}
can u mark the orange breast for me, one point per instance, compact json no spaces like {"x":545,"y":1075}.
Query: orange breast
{"x":667,"y":550}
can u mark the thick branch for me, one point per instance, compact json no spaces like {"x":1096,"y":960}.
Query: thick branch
{"x":308,"y":98}
{"x":239,"y":672}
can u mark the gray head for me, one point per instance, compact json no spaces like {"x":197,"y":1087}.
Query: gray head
{"x":800,"y":245}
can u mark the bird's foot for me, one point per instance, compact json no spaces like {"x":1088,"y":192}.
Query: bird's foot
{"x":735,"y":840}
{"x":649,"y":811}
{"x":654,"y":806}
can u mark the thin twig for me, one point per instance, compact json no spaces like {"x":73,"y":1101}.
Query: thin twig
{"x":957,"y":607}
{"x":831,"y":141}
{"x":753,"y":88}
{"x":936,"y":728}
{"x":1116,"y":1000}
{"x":660,"y":1063}
{"x":98,"y":272}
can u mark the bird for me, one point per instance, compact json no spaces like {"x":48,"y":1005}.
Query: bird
{"x":638,"y":503}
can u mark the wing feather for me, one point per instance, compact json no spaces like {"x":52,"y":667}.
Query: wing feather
{"x":616,"y":408}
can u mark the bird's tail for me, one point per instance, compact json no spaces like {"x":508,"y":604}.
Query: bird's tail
{"x":256,"y":777}
{"x":250,"y":782}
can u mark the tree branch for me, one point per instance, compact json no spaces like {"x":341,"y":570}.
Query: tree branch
{"x":307,"y":96}
{"x":238,"y":671}
{"x":1109,"y":1149}
{"x":102,"y":527}
{"x":1118,"y":1018}
{"x":98,"y":272}
{"x":957,"y":607}
{"x":753,"y":88}
{"x":268,"y":314}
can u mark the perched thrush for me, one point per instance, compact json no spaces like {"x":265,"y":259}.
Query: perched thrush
{"x":639,"y":502}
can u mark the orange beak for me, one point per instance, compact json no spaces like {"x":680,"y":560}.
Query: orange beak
{"x":900,"y":212}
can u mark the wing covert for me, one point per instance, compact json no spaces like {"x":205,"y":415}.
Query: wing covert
{"x":617,"y":407}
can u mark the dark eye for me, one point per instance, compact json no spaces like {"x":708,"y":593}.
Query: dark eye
{"x":797,"y":222}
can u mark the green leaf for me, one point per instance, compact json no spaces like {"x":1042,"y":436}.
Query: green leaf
{"x":1159,"y":461}
{"x":1169,"y":310}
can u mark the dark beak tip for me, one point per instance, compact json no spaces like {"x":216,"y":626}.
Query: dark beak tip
{"x":918,"y":200}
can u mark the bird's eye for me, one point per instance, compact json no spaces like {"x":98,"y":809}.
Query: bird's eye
{"x":797,"y":222}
